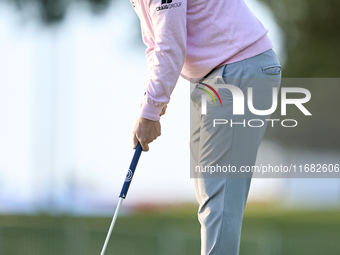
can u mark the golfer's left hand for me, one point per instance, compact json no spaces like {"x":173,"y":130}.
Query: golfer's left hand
{"x":145,"y":131}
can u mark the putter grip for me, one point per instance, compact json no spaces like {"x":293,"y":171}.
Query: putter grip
{"x":131,"y":171}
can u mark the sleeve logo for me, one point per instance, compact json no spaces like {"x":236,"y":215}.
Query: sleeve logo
{"x":167,"y":5}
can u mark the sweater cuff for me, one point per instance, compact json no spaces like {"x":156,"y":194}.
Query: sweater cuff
{"x":151,"y":111}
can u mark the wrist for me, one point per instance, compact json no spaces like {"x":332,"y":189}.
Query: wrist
{"x":151,"y":111}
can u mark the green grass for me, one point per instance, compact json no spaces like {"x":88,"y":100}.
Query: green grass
{"x":266,"y":230}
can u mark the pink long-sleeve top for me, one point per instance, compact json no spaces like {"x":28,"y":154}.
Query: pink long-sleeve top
{"x":190,"y":38}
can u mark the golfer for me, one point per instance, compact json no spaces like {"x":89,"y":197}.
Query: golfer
{"x":209,"y":42}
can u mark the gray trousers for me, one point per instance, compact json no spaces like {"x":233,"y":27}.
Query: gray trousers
{"x":221,"y":196}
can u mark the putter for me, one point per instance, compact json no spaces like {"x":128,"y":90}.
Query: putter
{"x":123,"y":193}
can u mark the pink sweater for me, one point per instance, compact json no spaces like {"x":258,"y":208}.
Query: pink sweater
{"x":190,"y":38}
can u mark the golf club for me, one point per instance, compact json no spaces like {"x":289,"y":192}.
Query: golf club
{"x":123,"y":193}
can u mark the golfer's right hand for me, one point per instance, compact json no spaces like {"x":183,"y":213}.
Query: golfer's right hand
{"x":145,"y":131}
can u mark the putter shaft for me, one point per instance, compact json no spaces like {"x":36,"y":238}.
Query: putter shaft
{"x":123,"y":193}
{"x":111,"y":226}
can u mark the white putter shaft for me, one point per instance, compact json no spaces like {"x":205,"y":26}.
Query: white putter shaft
{"x":112,"y":225}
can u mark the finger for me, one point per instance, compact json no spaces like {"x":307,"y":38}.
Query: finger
{"x":145,"y":146}
{"x":135,"y":142}
{"x":159,"y":131}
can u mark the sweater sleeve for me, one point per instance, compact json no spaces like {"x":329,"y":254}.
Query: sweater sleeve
{"x":166,"y":50}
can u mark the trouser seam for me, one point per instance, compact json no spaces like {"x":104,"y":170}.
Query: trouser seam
{"x":226,"y":180}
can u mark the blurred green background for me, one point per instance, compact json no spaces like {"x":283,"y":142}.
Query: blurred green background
{"x":266,"y":230}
